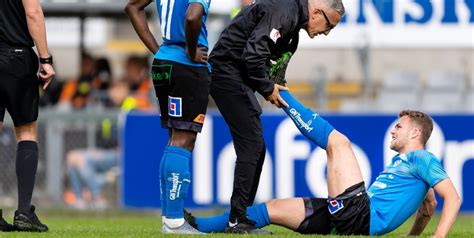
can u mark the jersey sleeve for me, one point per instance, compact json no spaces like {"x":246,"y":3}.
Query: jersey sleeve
{"x":261,"y":42}
{"x":204,"y":3}
{"x":429,"y":169}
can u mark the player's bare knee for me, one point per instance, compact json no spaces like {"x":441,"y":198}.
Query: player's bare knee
{"x":338,"y":140}
{"x":184,"y":140}
{"x":26,"y":132}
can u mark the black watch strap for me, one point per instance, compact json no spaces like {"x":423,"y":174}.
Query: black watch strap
{"x":48,"y":60}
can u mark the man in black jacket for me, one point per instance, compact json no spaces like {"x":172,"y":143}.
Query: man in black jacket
{"x":241,"y":60}
{"x":22,"y":27}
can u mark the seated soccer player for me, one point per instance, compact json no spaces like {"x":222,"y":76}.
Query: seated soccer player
{"x":350,"y":209}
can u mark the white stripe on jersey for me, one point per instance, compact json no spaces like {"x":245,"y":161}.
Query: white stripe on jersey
{"x":164,"y":9}
{"x":170,"y":14}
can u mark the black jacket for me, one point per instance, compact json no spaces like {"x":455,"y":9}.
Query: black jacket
{"x":259,"y":33}
{"x":13,"y":25}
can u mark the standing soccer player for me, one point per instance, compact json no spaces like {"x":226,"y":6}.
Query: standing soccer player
{"x":261,"y":32}
{"x":22,"y":27}
{"x":180,"y":74}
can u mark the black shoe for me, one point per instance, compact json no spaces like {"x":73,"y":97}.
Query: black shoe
{"x":28,"y":222}
{"x":4,"y":226}
{"x":246,"y":226}
{"x":190,"y":218}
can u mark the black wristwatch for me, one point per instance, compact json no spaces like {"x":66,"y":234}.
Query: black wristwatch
{"x":48,"y":60}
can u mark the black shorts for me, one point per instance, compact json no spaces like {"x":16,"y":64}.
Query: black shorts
{"x":347,"y":214}
{"x":183,"y":94}
{"x":19,"y":83}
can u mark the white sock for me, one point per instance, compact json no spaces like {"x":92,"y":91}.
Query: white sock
{"x":174,"y":223}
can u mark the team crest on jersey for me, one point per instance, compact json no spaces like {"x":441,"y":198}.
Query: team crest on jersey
{"x":335,"y":206}
{"x":174,"y":106}
{"x":274,"y":35}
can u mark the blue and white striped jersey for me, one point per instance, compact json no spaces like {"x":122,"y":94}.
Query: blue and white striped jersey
{"x":172,"y":16}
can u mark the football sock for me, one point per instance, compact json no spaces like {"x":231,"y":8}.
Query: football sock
{"x":26,"y":165}
{"x":163,"y":181}
{"x":213,"y":224}
{"x":177,"y":179}
{"x":308,"y":122}
{"x":258,"y":213}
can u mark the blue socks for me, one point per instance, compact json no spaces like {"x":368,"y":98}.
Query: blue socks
{"x":163,"y":181}
{"x":310,"y":124}
{"x":258,"y":213}
{"x":174,"y":180}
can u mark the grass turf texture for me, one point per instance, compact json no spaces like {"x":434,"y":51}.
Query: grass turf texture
{"x":148,"y":224}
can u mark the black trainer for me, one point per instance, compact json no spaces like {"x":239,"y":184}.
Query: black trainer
{"x":190,"y":218}
{"x":4,"y":226}
{"x":28,"y":222}
{"x":245,"y":226}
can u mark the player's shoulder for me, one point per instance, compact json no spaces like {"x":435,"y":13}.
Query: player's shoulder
{"x":420,"y":155}
{"x":278,"y":6}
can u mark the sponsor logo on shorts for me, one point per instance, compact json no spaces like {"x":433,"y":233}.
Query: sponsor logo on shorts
{"x":335,"y":206}
{"x":200,"y":119}
{"x":161,"y":74}
{"x":174,"y":106}
{"x":300,"y":122}
{"x":274,"y":35}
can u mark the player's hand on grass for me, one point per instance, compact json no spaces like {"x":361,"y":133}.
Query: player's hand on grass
{"x":199,"y":55}
{"x":275,"y":97}
{"x":46,"y":74}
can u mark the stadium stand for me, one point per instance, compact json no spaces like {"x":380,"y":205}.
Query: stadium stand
{"x":469,"y":102}
{"x":398,"y":90}
{"x":444,"y":92}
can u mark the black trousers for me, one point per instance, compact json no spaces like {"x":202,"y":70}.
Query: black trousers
{"x":241,"y":111}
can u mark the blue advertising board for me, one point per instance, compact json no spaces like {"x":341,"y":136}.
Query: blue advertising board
{"x":294,"y":167}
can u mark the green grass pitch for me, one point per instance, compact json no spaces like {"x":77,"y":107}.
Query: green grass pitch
{"x":148,"y":224}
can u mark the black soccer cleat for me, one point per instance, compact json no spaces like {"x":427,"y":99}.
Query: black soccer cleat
{"x":28,"y":222}
{"x":246,"y":226}
{"x":190,"y":218}
{"x":4,"y":226}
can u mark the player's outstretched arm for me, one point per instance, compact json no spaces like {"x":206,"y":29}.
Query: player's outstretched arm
{"x":135,"y":10}
{"x":424,"y":213}
{"x":451,"y":206}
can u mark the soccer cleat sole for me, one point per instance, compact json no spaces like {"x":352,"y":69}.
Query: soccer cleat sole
{"x":27,"y":227}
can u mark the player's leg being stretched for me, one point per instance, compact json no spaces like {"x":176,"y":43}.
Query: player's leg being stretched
{"x":290,"y":213}
{"x":348,"y":202}
{"x":306,"y":119}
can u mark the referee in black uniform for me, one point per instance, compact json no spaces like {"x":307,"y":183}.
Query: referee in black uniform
{"x":241,"y":61}
{"x":21,"y":28}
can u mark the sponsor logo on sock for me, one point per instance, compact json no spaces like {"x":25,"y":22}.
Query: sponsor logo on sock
{"x":175,"y":189}
{"x":300,"y":122}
